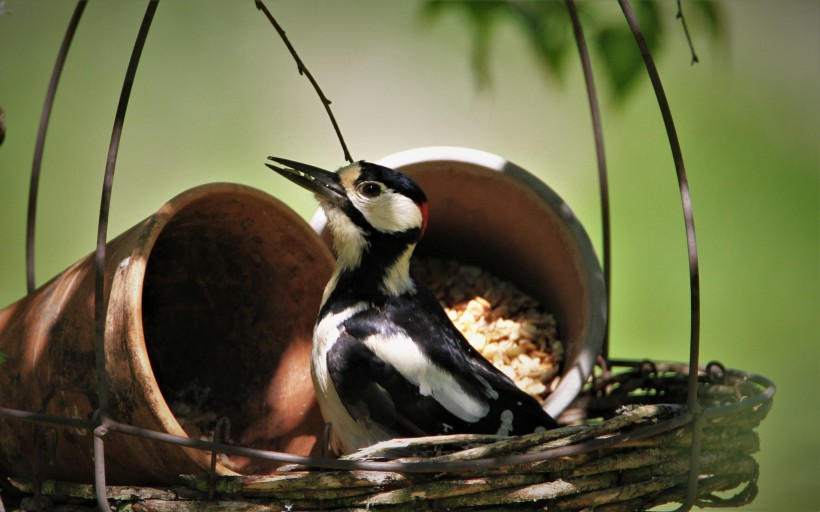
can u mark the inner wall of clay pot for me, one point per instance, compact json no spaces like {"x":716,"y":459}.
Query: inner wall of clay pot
{"x":229,"y":302}
{"x":488,"y":219}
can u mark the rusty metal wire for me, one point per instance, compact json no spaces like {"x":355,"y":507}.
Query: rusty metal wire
{"x":691,"y":244}
{"x":101,"y":423}
{"x":32,"y":210}
{"x":686,"y":198}
{"x":603,"y":182}
{"x":99,"y":256}
{"x":48,"y":419}
{"x":41,"y":141}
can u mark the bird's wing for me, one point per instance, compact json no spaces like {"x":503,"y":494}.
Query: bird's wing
{"x":374,"y":390}
{"x":451,"y":349}
{"x":442,"y":385}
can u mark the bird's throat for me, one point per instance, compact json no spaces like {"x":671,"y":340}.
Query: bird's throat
{"x":349,"y":242}
{"x":370,"y":267}
{"x":396,"y":279}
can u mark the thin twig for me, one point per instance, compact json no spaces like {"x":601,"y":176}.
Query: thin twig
{"x":682,"y":19}
{"x":303,"y":70}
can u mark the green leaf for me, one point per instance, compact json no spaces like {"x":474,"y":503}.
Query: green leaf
{"x":707,"y":15}
{"x":620,"y":58}
{"x":546,"y":27}
{"x":481,"y":18}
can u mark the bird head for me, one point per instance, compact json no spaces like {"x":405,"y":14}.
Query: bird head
{"x":371,"y":209}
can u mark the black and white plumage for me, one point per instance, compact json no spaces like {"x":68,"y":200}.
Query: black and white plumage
{"x":387,"y":361}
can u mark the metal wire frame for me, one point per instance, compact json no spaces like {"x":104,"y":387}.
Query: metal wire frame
{"x":101,"y":423}
{"x":101,"y":415}
{"x":600,"y":154}
{"x":41,"y":140}
{"x":692,"y":249}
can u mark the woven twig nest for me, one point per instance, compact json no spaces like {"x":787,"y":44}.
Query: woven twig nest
{"x":631,"y":451}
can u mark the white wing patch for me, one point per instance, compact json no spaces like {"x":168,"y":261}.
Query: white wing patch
{"x":404,"y":355}
{"x":488,"y":389}
{"x":506,"y":423}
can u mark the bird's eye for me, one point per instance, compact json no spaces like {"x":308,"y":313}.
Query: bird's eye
{"x":370,"y":190}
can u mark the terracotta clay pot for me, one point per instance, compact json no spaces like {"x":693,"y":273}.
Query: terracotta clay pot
{"x":486,"y":211}
{"x":211,"y":302}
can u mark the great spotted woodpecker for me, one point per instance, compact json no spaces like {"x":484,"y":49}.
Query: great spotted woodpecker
{"x":387,"y":361}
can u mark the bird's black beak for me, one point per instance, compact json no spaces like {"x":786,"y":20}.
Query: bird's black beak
{"x":324,"y":183}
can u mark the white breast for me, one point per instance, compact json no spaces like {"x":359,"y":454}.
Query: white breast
{"x":404,"y":355}
{"x":348,"y":435}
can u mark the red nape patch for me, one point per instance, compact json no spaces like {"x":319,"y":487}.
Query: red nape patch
{"x":423,"y":208}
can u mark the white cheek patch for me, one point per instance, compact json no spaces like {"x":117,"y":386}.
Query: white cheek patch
{"x":400,"y":352}
{"x":347,"y":237}
{"x":390,"y":212}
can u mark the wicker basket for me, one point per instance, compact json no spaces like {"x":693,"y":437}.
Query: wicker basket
{"x":628,"y":447}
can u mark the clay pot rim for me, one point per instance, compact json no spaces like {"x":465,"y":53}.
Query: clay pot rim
{"x":132,"y":270}
{"x":131,"y":273}
{"x":576,"y":372}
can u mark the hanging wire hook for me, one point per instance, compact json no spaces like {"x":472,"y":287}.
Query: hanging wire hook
{"x":716,"y":373}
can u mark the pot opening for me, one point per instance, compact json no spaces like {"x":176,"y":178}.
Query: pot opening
{"x":230,"y":296}
{"x":511,"y":226}
{"x":486,"y":219}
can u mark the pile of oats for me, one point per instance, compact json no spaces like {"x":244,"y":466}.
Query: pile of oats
{"x":504,"y":324}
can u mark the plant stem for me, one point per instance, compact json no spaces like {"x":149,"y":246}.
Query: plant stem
{"x":680,"y":16}
{"x":303,"y":70}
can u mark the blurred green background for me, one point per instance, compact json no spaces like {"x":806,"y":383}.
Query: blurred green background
{"x":216,"y":93}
